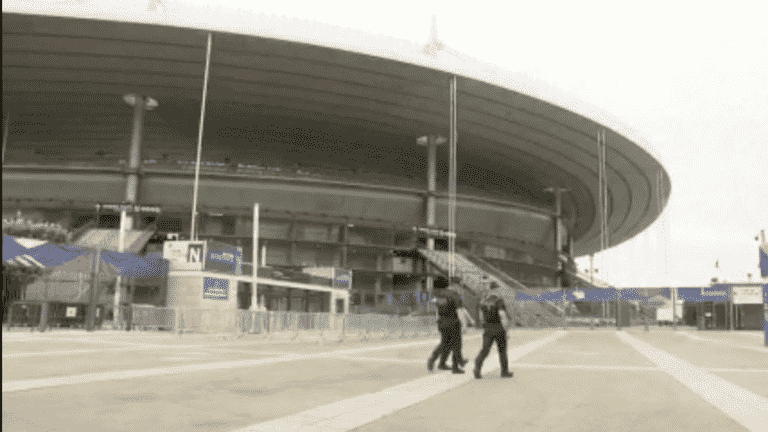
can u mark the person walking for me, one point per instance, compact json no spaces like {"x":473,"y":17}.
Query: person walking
{"x":465,"y":319}
{"x":449,"y":306}
{"x":494,"y":330}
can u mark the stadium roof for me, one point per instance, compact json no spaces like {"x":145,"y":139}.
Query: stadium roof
{"x":82,"y":64}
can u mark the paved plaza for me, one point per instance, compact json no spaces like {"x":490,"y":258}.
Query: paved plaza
{"x":574,"y":380}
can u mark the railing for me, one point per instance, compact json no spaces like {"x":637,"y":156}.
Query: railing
{"x":281,"y":324}
{"x":491,"y":269}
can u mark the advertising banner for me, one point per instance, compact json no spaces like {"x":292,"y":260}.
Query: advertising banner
{"x":748,"y":295}
{"x":184,"y":255}
{"x":223,"y":258}
{"x":215,"y":288}
{"x":717,"y":294}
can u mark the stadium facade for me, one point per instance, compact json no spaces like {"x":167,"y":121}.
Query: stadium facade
{"x":339,"y":143}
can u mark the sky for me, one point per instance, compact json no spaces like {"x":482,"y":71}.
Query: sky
{"x":690,"y":77}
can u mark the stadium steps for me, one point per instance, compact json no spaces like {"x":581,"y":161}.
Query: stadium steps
{"x":553,"y":309}
{"x":109,"y":239}
{"x":475,"y":279}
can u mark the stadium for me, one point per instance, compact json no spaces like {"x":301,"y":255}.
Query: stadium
{"x":344,"y":150}
{"x":266,"y":214}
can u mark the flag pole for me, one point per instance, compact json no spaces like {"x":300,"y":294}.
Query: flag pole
{"x":452,"y":183}
{"x":193,"y":231}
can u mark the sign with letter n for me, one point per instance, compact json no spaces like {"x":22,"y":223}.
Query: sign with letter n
{"x":184,"y":255}
{"x":215,"y":288}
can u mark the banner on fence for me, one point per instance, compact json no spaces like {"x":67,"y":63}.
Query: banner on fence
{"x":215,"y":288}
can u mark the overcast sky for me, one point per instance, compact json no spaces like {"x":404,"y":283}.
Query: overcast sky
{"x":691,"y":77}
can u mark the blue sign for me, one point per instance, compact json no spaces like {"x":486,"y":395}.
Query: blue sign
{"x":215,"y":288}
{"x":223,"y":258}
{"x":342,"y":279}
{"x":716,"y":293}
{"x":765,"y":313}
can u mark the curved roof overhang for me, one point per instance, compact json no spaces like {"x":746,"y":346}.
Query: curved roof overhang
{"x":507,"y":122}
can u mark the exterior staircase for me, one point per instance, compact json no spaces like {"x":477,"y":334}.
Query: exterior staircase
{"x":476,"y":274}
{"x":109,"y":239}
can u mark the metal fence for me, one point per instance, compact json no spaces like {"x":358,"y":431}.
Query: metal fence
{"x":280,"y":324}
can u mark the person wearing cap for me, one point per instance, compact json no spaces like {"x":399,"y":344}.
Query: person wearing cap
{"x":449,"y":308}
{"x":494,"y":330}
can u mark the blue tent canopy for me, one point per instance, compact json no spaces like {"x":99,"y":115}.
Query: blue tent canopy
{"x":52,"y":255}
{"x":15,"y":254}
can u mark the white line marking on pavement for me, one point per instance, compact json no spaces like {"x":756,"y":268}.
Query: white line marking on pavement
{"x":138,"y":348}
{"x":747,"y":408}
{"x":513,"y":365}
{"x":747,"y":347}
{"x":350,"y":413}
{"x":574,"y":352}
{"x":14,"y":386}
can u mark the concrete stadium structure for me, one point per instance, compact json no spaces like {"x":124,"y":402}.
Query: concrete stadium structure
{"x":323,"y":136}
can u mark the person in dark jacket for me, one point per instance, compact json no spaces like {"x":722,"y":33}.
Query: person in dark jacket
{"x":464,"y":320}
{"x":449,"y":308}
{"x":494,"y":330}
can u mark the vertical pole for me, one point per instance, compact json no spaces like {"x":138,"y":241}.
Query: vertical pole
{"x":765,"y":313}
{"x":600,"y":187}
{"x":95,"y":277}
{"x":431,"y":188}
{"x":700,"y":311}
{"x":119,"y":279}
{"x":732,"y":310}
{"x":193,"y":231}
{"x":558,"y":250}
{"x":255,"y":259}
{"x":452,"y":182}
{"x":5,"y":134}
{"x":646,"y":309}
{"x":605,"y":191}
{"x":673,"y":294}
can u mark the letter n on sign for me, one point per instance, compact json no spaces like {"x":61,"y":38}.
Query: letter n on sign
{"x":195,"y":253}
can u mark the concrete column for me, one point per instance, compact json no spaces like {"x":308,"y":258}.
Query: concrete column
{"x":431,"y":142}
{"x":140,"y":103}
